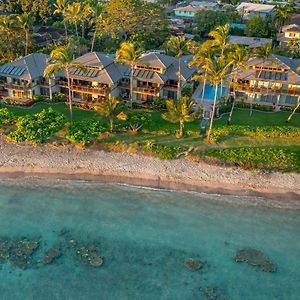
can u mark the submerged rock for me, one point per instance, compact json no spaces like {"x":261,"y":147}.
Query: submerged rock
{"x":18,"y":252}
{"x":88,"y":255}
{"x":255,"y":258}
{"x":51,"y":255}
{"x":212,"y":293}
{"x":193,"y":264}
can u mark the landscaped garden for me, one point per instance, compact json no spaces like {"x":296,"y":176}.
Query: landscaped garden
{"x":263,"y":140}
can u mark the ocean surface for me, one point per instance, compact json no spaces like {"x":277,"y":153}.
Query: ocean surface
{"x":144,"y":238}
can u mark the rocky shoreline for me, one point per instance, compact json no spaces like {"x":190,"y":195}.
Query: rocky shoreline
{"x":68,"y":162}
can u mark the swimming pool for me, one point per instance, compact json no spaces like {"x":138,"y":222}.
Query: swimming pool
{"x":209,"y":92}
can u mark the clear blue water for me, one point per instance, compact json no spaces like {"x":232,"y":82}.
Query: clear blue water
{"x":144,"y":237}
{"x":209,"y":92}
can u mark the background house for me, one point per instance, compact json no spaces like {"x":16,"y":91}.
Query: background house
{"x":249,"y":9}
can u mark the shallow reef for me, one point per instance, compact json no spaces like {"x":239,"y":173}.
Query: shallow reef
{"x":255,"y":258}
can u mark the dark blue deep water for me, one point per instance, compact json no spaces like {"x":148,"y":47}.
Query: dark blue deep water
{"x":144,"y":237}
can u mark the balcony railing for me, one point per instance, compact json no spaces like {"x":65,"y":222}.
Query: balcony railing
{"x":16,"y":86}
{"x":171,"y":86}
{"x":277,"y":90}
{"x":146,"y":90}
{"x":86,"y":89}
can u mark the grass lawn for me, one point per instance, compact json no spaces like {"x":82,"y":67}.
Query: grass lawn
{"x":78,"y":114}
{"x":242,"y":117}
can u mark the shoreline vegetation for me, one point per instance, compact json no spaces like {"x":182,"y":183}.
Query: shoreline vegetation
{"x":68,"y":162}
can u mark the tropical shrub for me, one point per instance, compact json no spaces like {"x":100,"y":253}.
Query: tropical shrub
{"x":58,"y":97}
{"x":136,"y":120}
{"x":83,"y":132}
{"x":16,"y":102}
{"x":262,"y":158}
{"x":6,"y":117}
{"x":158,"y":104}
{"x":256,"y":106}
{"x":255,"y":131}
{"x":162,"y":151}
{"x":36,"y":128}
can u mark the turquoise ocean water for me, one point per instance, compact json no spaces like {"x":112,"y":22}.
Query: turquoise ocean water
{"x":144,"y":237}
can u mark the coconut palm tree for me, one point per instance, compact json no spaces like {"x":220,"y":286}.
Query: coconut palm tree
{"x":220,"y":42}
{"x":129,"y":54}
{"x":110,"y":108}
{"x":73,"y":15}
{"x":26,"y":22}
{"x":96,"y":21}
{"x":262,"y":53}
{"x":294,"y":110}
{"x":61,"y":8}
{"x":282,"y":15}
{"x":220,"y":36}
{"x":179,"y":46}
{"x":9,"y":29}
{"x":86,"y":14}
{"x":204,"y":54}
{"x":180,"y":111}
{"x":239,"y":56}
{"x":61,"y":60}
{"x":217,"y":70}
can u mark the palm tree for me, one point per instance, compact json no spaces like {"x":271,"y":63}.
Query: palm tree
{"x":294,"y":110}
{"x":73,"y":15}
{"x":180,"y":111}
{"x":239,"y":56}
{"x":85,"y":15}
{"x":220,"y":37}
{"x":217,"y":69}
{"x":262,"y":53}
{"x":9,"y":28}
{"x":204,"y":54}
{"x":96,"y":21}
{"x":61,"y":8}
{"x":220,"y":41}
{"x":110,"y":109}
{"x":282,"y":15}
{"x":129,"y":54}
{"x":178,"y":46}
{"x":26,"y":23}
{"x":61,"y":60}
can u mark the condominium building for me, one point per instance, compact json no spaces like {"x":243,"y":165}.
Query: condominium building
{"x":273,"y":81}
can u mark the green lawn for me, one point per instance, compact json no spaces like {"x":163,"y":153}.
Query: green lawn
{"x":240,"y":117}
{"x":78,"y":114}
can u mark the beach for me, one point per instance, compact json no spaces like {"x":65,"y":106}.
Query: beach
{"x":69,"y":162}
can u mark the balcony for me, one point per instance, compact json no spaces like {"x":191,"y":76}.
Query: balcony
{"x":264,"y":90}
{"x":171,"y":86}
{"x":153,"y":91}
{"x":102,"y":91}
{"x":17,"y":86}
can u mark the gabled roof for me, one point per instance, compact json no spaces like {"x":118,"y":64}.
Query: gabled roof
{"x":156,"y":60}
{"x":274,"y":61}
{"x":251,"y":42}
{"x":103,"y":69}
{"x":256,"y":7}
{"x":291,"y":28}
{"x":294,"y":19}
{"x":28,"y":67}
{"x":95,"y":59}
{"x":189,"y":8}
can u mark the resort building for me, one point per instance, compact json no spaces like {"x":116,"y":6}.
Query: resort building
{"x":156,"y":76}
{"x":249,"y":9}
{"x":289,"y":33}
{"x":100,"y":78}
{"x":250,"y":42}
{"x":23,"y":79}
{"x":274,"y":81}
